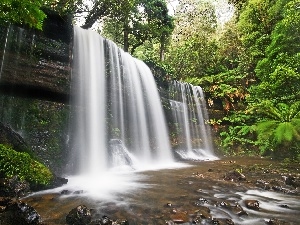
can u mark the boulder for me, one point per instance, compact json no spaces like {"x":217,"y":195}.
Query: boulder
{"x":13,"y":187}
{"x":105,"y":220}
{"x":252,"y":204}
{"x":80,"y":215}
{"x":11,"y":138}
{"x":234,"y":175}
{"x":293,"y":181}
{"x":20,"y":213}
{"x":276,"y":222}
{"x":222,"y":221}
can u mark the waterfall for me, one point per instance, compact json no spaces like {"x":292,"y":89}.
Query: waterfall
{"x":190,"y":116}
{"x":4,"y":50}
{"x":117,"y":116}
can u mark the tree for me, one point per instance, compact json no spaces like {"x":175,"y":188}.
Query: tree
{"x":24,"y":12}
{"x":279,"y":71}
{"x":193,"y":45}
{"x":130,"y":23}
{"x":270,"y":36}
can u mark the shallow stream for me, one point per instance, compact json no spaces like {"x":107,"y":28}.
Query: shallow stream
{"x":178,"y":194}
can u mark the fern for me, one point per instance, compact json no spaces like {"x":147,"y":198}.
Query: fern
{"x":295,"y":110}
{"x":281,"y":125}
{"x":265,"y":129}
{"x":284,"y":133}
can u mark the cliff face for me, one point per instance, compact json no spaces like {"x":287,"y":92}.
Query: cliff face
{"x":35,"y":73}
{"x":37,"y":64}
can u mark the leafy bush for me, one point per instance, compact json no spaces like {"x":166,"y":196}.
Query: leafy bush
{"x":276,"y":128}
{"x":14,"y":163}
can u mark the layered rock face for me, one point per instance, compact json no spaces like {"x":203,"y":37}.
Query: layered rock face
{"x":37,"y":64}
{"x":35,"y":77}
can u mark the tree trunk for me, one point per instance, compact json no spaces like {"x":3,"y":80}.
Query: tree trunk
{"x":98,"y":11}
{"x":126,"y":36}
{"x":162,"y":48}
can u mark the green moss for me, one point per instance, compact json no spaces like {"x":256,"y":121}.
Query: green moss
{"x":14,"y":163}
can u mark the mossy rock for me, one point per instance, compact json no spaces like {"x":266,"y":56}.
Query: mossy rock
{"x":13,"y":163}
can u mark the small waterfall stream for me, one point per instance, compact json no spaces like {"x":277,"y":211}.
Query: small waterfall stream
{"x":190,"y":116}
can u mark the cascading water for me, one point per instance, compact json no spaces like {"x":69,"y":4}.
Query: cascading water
{"x":190,"y":115}
{"x":116,"y":104}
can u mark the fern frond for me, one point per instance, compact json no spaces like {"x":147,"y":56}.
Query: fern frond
{"x":284,"y":133}
{"x":296,"y":123}
{"x":245,"y":130}
{"x":266,"y":126}
{"x":284,"y":111}
{"x":295,"y":110}
{"x":265,"y":129}
{"x":271,"y":112}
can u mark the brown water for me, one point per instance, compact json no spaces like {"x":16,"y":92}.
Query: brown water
{"x":173,"y":194}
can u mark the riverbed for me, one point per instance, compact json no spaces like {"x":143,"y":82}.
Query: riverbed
{"x":198,"y":192}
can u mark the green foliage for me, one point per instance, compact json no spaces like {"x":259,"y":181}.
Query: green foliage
{"x":279,"y":126}
{"x":192,"y":51}
{"x":139,"y":21}
{"x":66,"y":7}
{"x":269,"y":32}
{"x":14,"y":163}
{"x":240,"y":138}
{"x":267,"y":127}
{"x":25,"y":12}
{"x":278,"y":71}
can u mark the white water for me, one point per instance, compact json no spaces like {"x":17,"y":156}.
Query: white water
{"x":190,"y":115}
{"x":90,"y":101}
{"x":118,"y":126}
{"x":115,"y":98}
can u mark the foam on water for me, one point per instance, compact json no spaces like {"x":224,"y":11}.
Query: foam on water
{"x":196,"y":155}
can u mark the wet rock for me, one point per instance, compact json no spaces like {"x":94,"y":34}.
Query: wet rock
{"x":105,"y":220}
{"x":252,"y":204}
{"x":203,"y":213}
{"x":13,"y":187}
{"x":233,"y":207}
{"x":263,"y":184}
{"x":20,"y":213}
{"x":4,"y":202}
{"x":292,"y":180}
{"x":80,"y":215}
{"x":4,"y":188}
{"x":222,"y":221}
{"x":234,"y":175}
{"x":201,"y":201}
{"x":20,"y":188}
{"x":169,"y":204}
{"x":58,"y":182}
{"x":285,"y":190}
{"x":65,"y":192}
{"x":284,"y":206}
{"x":11,"y":138}
{"x":223,"y":204}
{"x":276,"y":222}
